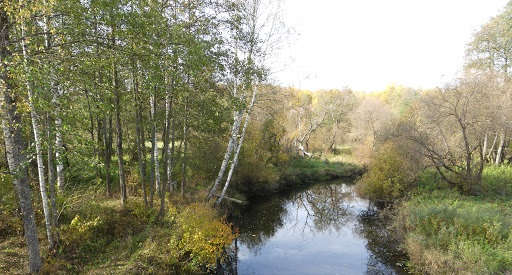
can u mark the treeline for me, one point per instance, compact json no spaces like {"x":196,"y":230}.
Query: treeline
{"x":439,"y":159}
{"x":457,"y":130}
{"x":137,"y":96}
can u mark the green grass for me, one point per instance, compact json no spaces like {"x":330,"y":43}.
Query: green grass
{"x":497,"y":181}
{"x":308,"y":171}
{"x":446,"y":232}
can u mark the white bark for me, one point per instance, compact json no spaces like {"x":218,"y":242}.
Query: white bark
{"x":185,"y":143}
{"x":59,"y":144}
{"x":229,"y":150}
{"x":238,"y":146}
{"x":169,"y":159}
{"x":484,"y":148}
{"x":15,"y":147}
{"x":492,"y":147}
{"x":500,"y":149}
{"x":39,"y":151}
{"x":51,"y":173}
{"x":155,"y":148}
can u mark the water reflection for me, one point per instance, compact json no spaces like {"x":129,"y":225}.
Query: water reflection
{"x":316,"y":231}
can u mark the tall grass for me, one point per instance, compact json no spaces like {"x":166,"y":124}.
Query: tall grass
{"x":448,"y":233}
{"x":497,"y":180}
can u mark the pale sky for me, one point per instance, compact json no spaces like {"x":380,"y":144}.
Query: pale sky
{"x":370,"y":44}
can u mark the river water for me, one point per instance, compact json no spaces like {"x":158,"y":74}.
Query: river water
{"x":314,"y":231}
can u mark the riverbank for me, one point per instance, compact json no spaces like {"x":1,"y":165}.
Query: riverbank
{"x":299,"y":173}
{"x":446,"y":232}
{"x":97,"y":236}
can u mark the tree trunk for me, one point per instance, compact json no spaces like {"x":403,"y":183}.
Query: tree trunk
{"x":59,"y":144}
{"x":492,"y":147}
{"x":165,"y":138}
{"x":500,"y":149}
{"x":170,"y":153}
{"x":140,"y":138}
{"x":51,"y":171}
{"x":152,"y":164}
{"x":158,"y":184}
{"x":227,"y":155}
{"x":91,"y":132}
{"x":107,"y":141}
{"x":122,"y":178}
{"x":484,"y":148}
{"x":39,"y":150}
{"x":15,"y":147}
{"x":166,"y":152}
{"x":184,"y":162}
{"x":238,"y":146}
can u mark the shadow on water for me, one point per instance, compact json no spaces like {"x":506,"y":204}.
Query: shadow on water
{"x":314,"y":231}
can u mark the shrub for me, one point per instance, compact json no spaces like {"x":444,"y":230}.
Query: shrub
{"x":200,"y":236}
{"x":389,"y":176}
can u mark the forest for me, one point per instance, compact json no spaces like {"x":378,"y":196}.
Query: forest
{"x":134,"y":129}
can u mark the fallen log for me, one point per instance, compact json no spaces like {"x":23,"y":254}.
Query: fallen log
{"x":232,"y":199}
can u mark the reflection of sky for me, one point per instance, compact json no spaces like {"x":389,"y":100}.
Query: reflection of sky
{"x":296,"y":249}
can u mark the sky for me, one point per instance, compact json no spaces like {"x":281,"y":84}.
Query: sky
{"x":368,"y":45}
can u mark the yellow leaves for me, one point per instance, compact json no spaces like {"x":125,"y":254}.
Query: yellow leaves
{"x":82,"y":226}
{"x":202,"y":234}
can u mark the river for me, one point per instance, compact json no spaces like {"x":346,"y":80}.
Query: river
{"x":314,"y":231}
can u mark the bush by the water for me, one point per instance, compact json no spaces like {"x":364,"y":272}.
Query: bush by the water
{"x":389,"y":176}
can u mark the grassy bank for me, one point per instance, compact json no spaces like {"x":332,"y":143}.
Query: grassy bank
{"x":445,"y":232}
{"x":298,"y":173}
{"x":97,"y":236}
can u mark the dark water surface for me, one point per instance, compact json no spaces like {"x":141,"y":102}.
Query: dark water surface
{"x":316,"y":231}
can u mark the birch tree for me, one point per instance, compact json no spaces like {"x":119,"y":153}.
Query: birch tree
{"x":15,"y":142}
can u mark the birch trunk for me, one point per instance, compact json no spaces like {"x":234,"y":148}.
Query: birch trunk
{"x":169,"y":137}
{"x":158,"y":184}
{"x":484,"y":148}
{"x":39,"y":150}
{"x":227,"y":155}
{"x":238,"y":146}
{"x":51,"y":164}
{"x":185,"y":143}
{"x":165,"y":138}
{"x":51,"y":172}
{"x":107,"y":141}
{"x":59,"y":144}
{"x":170,"y":153}
{"x":15,"y":146}
{"x":166,"y":149}
{"x":122,"y":179}
{"x":155,"y":147}
{"x":152,"y":168}
{"x":500,"y":149}
{"x":237,"y":119}
{"x":140,"y":139}
{"x":492,"y":147}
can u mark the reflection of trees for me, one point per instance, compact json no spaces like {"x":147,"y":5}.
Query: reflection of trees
{"x":382,"y":245}
{"x":326,"y":205}
{"x":319,"y":209}
{"x":260,"y":221}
